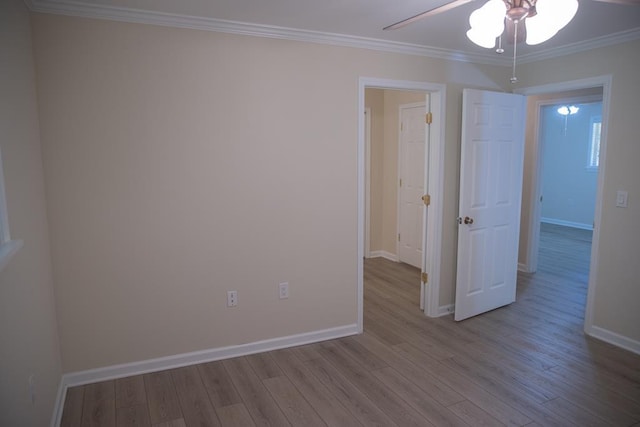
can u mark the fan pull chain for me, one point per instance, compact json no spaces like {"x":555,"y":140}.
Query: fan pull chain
{"x":514,"y":79}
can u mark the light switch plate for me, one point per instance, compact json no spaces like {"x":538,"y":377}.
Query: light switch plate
{"x":621,"y":199}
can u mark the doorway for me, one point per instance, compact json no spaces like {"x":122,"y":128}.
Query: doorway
{"x":570,"y":131}
{"x":395,"y":154}
{"x":434,"y":158}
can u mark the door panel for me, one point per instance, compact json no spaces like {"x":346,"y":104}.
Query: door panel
{"x":412,"y":176}
{"x":490,"y":193}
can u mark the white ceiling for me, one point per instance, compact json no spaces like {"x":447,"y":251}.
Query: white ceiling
{"x":360,"y":22}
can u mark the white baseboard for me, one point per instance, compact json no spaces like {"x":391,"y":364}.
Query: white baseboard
{"x":384,"y":254}
{"x":56,"y":418}
{"x":567,"y":223}
{"x":445,"y":310}
{"x":523,"y":268}
{"x":160,"y":364}
{"x":614,"y":338}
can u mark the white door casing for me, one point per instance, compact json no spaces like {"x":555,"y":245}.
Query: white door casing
{"x":411,"y":173}
{"x":367,"y":182}
{"x":491,"y":170}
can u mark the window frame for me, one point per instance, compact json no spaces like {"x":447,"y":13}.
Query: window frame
{"x":595,"y":138}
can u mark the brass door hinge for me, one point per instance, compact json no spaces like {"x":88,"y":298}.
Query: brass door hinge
{"x":398,"y":237}
{"x":426,"y":199}
{"x":428,"y":118}
{"x":400,"y":182}
{"x":425,"y":277}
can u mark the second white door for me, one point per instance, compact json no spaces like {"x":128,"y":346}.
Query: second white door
{"x":411,"y":183}
{"x":490,"y":194}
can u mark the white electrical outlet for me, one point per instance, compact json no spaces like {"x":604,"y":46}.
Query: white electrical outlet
{"x":232,"y":298}
{"x":284,"y":290}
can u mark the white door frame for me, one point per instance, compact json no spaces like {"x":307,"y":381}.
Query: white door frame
{"x":367,"y":182}
{"x":435,"y":181}
{"x":599,"y":81}
{"x":399,"y":204}
{"x":530,"y":264}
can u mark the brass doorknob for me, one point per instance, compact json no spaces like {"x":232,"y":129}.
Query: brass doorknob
{"x":466,"y":220}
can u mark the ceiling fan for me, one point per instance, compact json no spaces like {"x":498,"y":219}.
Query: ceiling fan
{"x":534,"y":21}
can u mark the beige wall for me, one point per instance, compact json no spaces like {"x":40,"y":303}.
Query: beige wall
{"x":180,"y":164}
{"x":617,"y":285}
{"x":28,"y":331}
{"x":374,"y":99}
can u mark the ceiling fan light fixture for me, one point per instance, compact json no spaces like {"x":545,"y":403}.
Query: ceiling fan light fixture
{"x":481,"y":39}
{"x":487,"y":23}
{"x":568,"y":110}
{"x":551,"y":17}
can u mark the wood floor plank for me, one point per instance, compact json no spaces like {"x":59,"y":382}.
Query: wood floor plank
{"x":235,"y":416}
{"x":133,"y":416}
{"x":130,"y":392}
{"x":257,"y":399}
{"x":292,"y":403}
{"x":609,"y":405}
{"x":497,"y":341}
{"x":432,"y":385}
{"x":99,"y":407}
{"x":306,"y":352}
{"x":510,"y":393}
{"x":492,"y":404}
{"x":194,"y":400}
{"x":511,"y":371}
{"x":473,"y":415}
{"x":404,"y":332}
{"x":367,"y":359}
{"x":396,"y":408}
{"x":424,"y":404}
{"x":221,"y":390}
{"x":385,"y":334}
{"x":578,"y":416}
{"x":439,"y":338}
{"x":351,"y":397}
{"x":72,"y":412}
{"x":173,"y":423}
{"x":321,"y":399}
{"x":161,"y":397}
{"x":264,"y":366}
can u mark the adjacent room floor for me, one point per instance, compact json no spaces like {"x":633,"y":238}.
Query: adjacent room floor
{"x":525,"y":364}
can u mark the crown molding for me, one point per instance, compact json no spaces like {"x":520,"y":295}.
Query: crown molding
{"x":78,"y":8}
{"x":604,"y":41}
{"x":113,"y":13}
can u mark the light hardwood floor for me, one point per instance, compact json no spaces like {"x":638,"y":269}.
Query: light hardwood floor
{"x":525,"y":364}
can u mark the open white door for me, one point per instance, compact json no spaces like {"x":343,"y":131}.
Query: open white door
{"x":490,"y":194}
{"x":411,"y":185}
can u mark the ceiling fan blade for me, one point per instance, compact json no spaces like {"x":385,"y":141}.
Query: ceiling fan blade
{"x":625,"y":2}
{"x":439,"y":9}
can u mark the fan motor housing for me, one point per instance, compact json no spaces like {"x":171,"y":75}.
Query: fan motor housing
{"x":517,"y":10}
